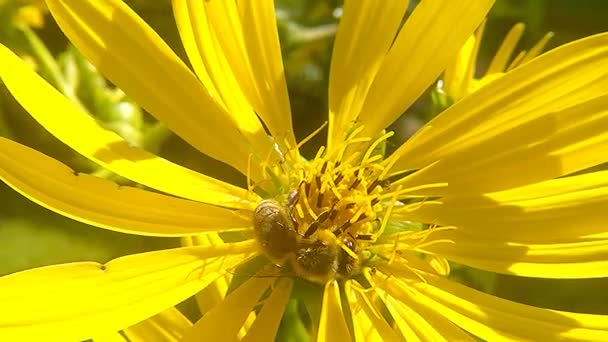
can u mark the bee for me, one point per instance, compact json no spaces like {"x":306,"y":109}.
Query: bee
{"x":274,"y":231}
{"x":317,"y":260}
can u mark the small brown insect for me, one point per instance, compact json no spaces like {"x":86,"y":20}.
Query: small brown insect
{"x":315,"y":260}
{"x":274,"y":231}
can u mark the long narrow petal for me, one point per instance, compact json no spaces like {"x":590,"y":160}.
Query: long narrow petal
{"x":73,"y":302}
{"x":553,"y":229}
{"x":573,"y":260}
{"x":366,"y":31}
{"x":100,"y":202}
{"x":215,"y":293}
{"x":418,"y":323}
{"x":332,"y":325}
{"x":105,"y":147}
{"x":129,"y":53}
{"x":271,"y":103}
{"x":428,"y":41}
{"x":496,"y":319}
{"x":459,"y":75}
{"x":265,"y":326}
{"x":167,"y":326}
{"x":544,"y":111}
{"x":568,"y":209}
{"x":368,"y":322}
{"x":545,"y":147}
{"x":110,"y":337}
{"x":224,"y":321}
{"x":234,"y":49}
{"x":506,"y":49}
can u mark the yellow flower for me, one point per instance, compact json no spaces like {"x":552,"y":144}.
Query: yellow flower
{"x":27,"y":12}
{"x":493,"y":180}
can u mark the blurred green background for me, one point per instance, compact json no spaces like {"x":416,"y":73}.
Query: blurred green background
{"x":31,"y":236}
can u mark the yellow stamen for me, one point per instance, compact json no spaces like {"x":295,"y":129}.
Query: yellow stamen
{"x":375,"y":144}
{"x":387,"y":215}
{"x":299,"y":210}
{"x":311,"y":135}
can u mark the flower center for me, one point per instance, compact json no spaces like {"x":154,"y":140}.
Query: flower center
{"x":336,"y":206}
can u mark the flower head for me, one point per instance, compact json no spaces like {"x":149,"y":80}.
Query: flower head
{"x":366,"y":238}
{"x":24,"y":12}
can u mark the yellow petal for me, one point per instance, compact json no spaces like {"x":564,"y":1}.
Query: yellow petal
{"x":85,"y":135}
{"x":569,"y":260}
{"x":224,"y":321}
{"x":428,"y":41}
{"x":271,"y":103}
{"x":235,"y":51}
{"x":506,"y":49}
{"x":110,"y":337}
{"x":366,"y":31}
{"x":368,"y":323}
{"x":537,"y":49}
{"x":553,"y":229}
{"x":167,"y":326}
{"x":102,"y":203}
{"x":547,"y":146}
{"x":73,"y":302}
{"x":458,"y":73}
{"x":332,"y":325}
{"x":568,"y":209}
{"x":418,"y":323}
{"x":539,"y":121}
{"x":213,"y":294}
{"x":265,"y":326}
{"x":130,"y":54}
{"x":496,"y":319}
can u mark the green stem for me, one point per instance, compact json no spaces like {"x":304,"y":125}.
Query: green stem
{"x":49,"y":66}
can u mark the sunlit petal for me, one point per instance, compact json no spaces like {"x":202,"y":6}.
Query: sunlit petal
{"x":495,"y":319}
{"x":271,"y":103}
{"x":129,"y":53}
{"x":366,"y":31}
{"x":105,"y":147}
{"x":265,"y":326}
{"x":368,"y":323}
{"x":212,"y":34}
{"x":224,"y":321}
{"x":428,"y":41}
{"x":418,"y":323}
{"x":581,"y":258}
{"x":459,"y":74}
{"x":215,"y":293}
{"x":74,"y":298}
{"x":110,"y":337}
{"x":529,"y":119}
{"x":167,"y":326}
{"x":563,"y":210}
{"x":542,"y":148}
{"x":332,"y":326}
{"x":102,"y":203}
{"x":224,"y":40}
